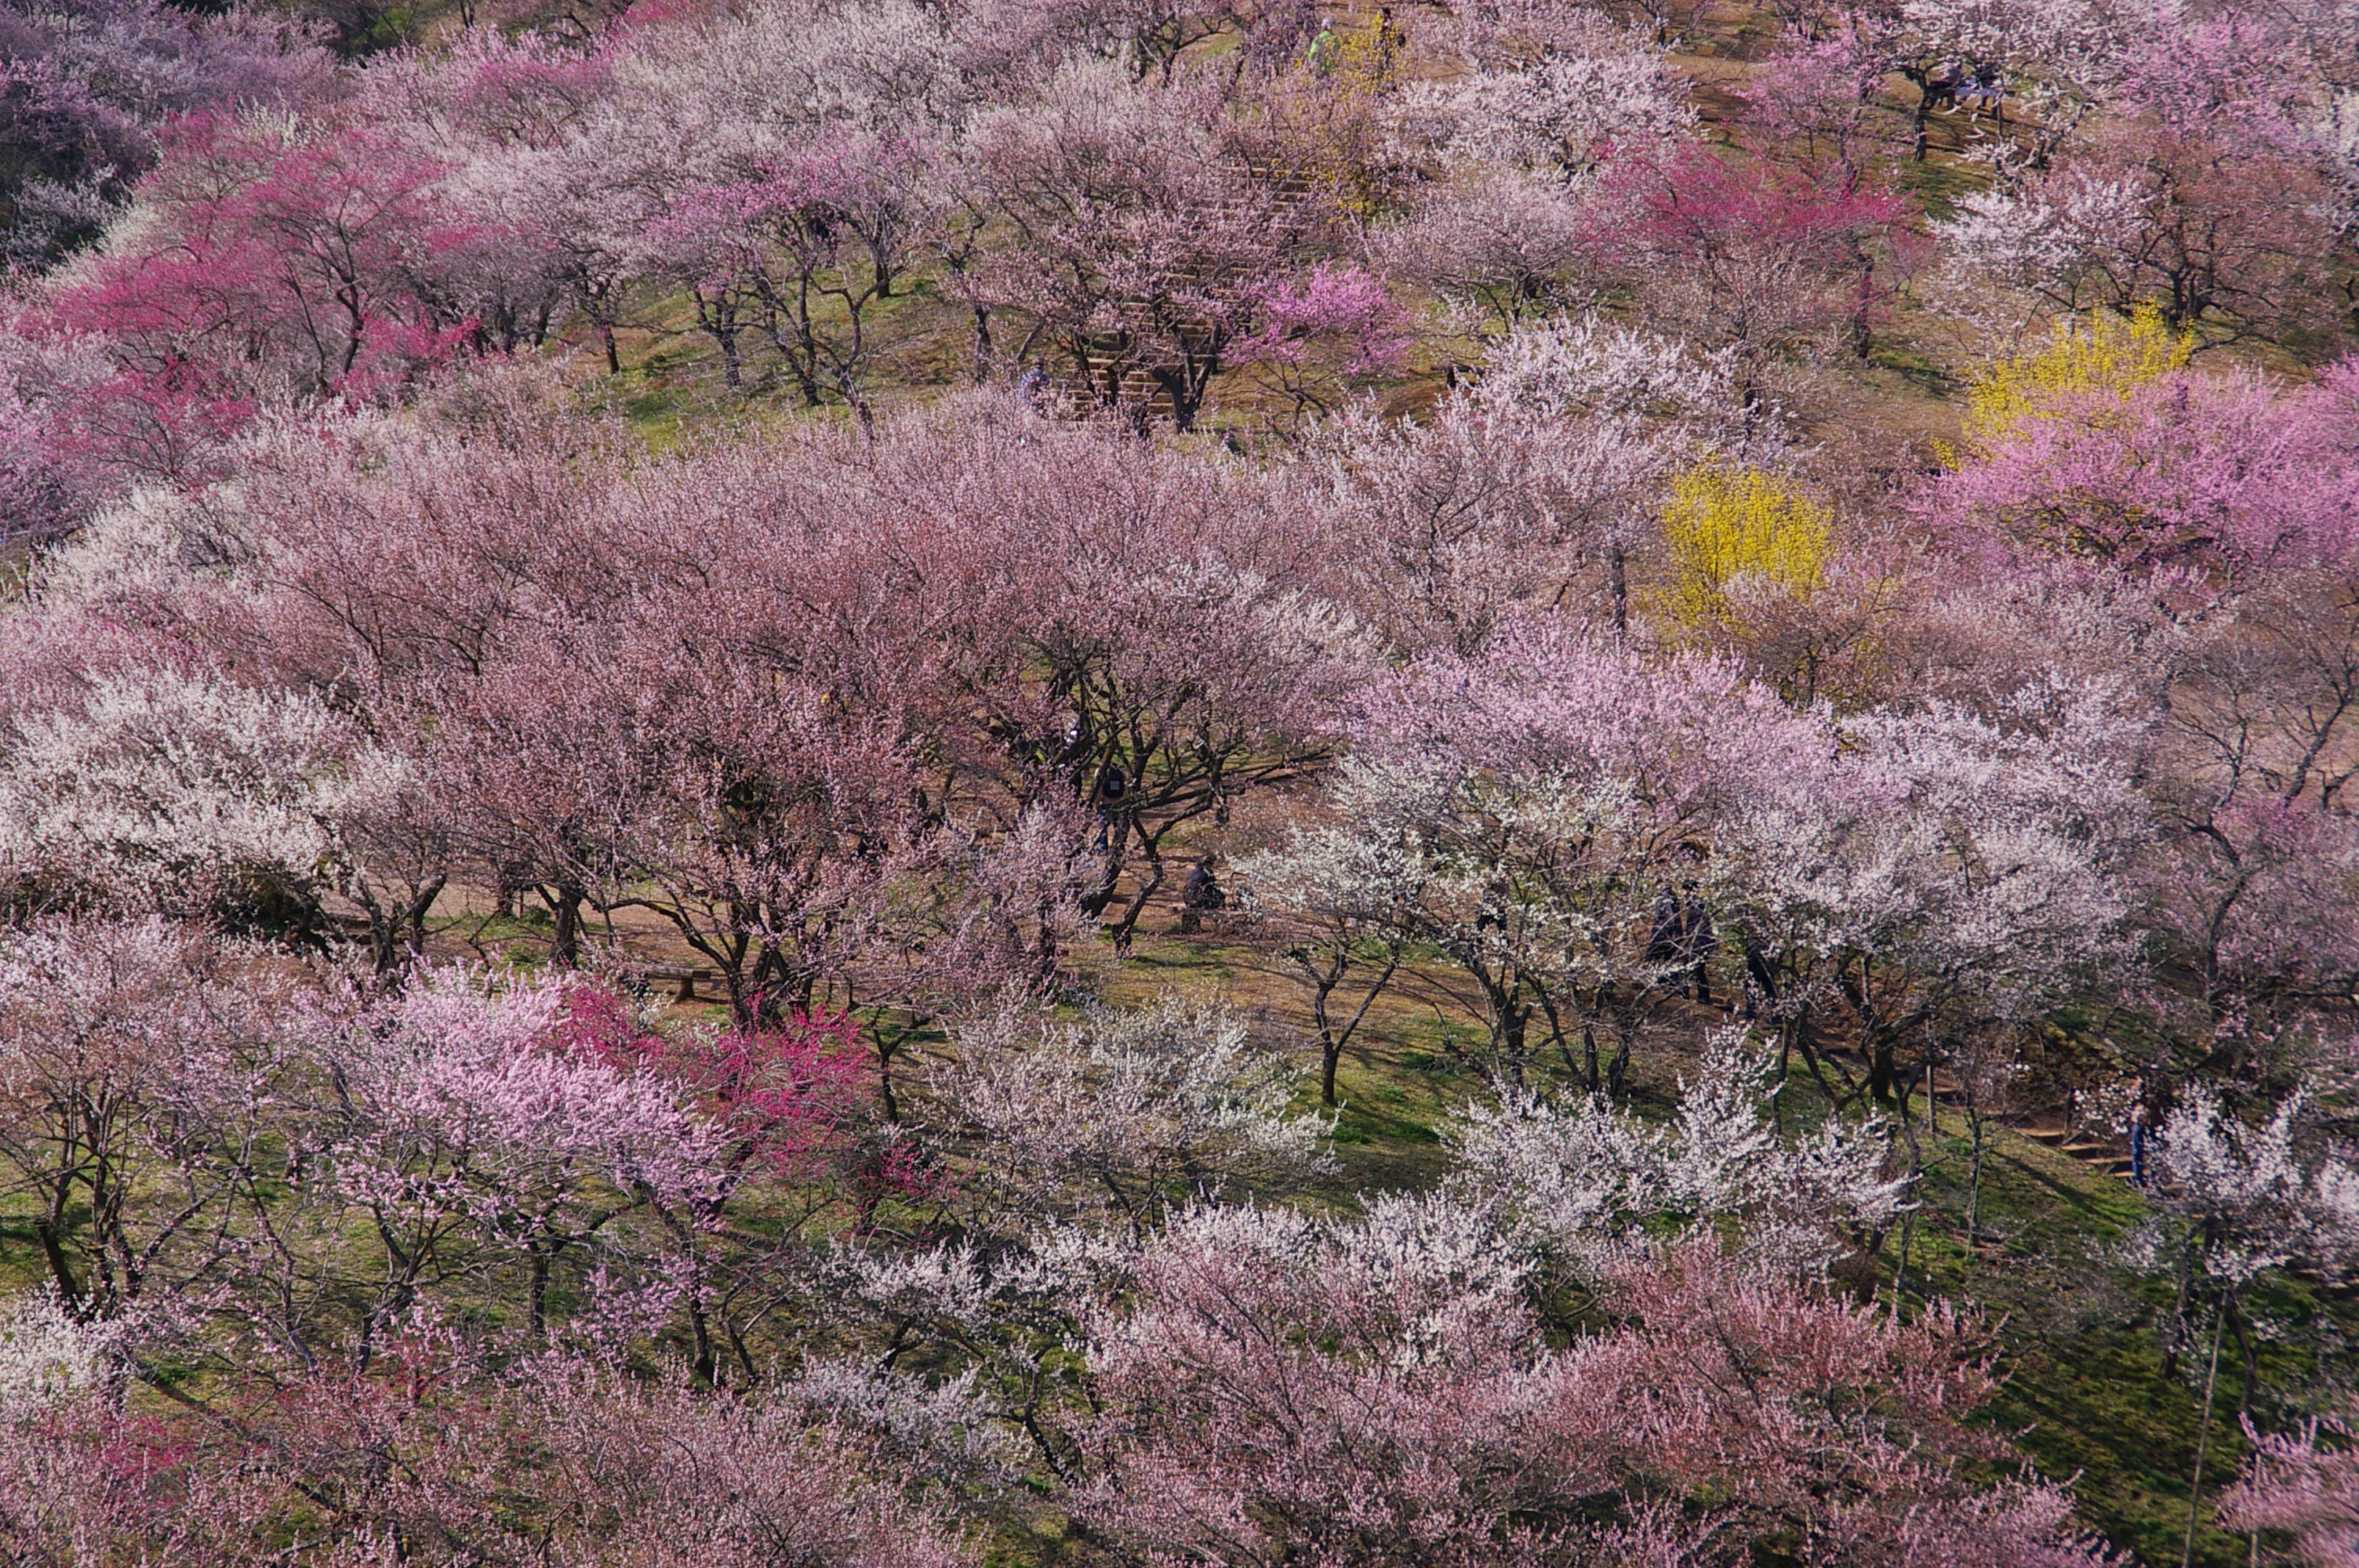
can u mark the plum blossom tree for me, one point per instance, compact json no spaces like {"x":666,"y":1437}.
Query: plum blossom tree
{"x":2225,"y":503}
{"x":2160,"y":204}
{"x":1127,"y":1112}
{"x":1504,"y":246}
{"x":1939,"y":870}
{"x":654,"y":1475}
{"x":275,"y":259}
{"x":345,"y":1471}
{"x":1758,"y":262}
{"x":1338,"y":333}
{"x":467,"y":1130}
{"x":54,"y":476}
{"x":792,"y":1144}
{"x":1272,"y":1385}
{"x":1590,"y":1186}
{"x":2222,"y":474}
{"x":1528,"y":808}
{"x":1142,"y":236}
{"x":155,"y":788}
{"x":779,"y":166}
{"x":86,"y":89}
{"x":135,"y":1081}
{"x":1517,"y":147}
{"x":2300,"y":1483}
{"x":2065,"y":59}
{"x":2244,"y":1199}
{"x":1552,"y":91}
{"x":1131,"y":634}
{"x":1528,"y":488}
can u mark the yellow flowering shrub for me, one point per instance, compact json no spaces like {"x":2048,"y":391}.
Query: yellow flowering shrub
{"x":2106,"y":354}
{"x":1723,"y":523}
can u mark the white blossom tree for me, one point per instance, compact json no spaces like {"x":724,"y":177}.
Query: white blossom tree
{"x":1124,"y":1111}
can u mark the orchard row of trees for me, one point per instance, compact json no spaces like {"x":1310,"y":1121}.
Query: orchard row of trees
{"x":1438,"y":461}
{"x":1145,"y":205}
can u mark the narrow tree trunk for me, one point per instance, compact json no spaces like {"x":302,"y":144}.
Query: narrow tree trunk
{"x":1973,"y":1170}
{"x":2204,"y":1442}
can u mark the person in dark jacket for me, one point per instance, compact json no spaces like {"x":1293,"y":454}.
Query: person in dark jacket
{"x":1202,"y":895}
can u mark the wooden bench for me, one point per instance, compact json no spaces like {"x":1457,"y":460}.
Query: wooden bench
{"x":684,"y":976}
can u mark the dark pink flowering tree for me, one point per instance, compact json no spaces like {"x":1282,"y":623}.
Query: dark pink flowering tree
{"x":1759,"y":261}
{"x":275,"y":267}
{"x":2221,"y":475}
{"x":790,"y":1115}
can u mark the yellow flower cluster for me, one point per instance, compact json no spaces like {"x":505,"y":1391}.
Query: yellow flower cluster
{"x":2106,"y":354}
{"x":1724,"y":523}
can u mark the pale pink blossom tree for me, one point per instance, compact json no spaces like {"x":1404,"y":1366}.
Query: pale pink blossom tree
{"x":1273,"y":1385}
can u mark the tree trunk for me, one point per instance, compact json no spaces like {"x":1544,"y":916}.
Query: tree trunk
{"x":565,"y":913}
{"x":2204,"y":1442}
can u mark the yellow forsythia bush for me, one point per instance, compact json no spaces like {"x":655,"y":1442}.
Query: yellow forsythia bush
{"x":2106,"y":354}
{"x":1723,"y":523}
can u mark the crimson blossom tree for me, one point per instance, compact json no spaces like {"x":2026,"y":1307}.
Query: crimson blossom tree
{"x":276,"y":261}
{"x":1759,"y":261}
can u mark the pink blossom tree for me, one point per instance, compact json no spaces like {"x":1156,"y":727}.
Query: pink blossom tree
{"x":2300,"y":1483}
{"x":445,"y":1120}
{"x":1140,"y":236}
{"x":2200,"y":195}
{"x":1759,"y":261}
{"x":1527,"y":810}
{"x":1319,"y":344}
{"x":136,"y":1075}
{"x":1274,"y":1385}
{"x":86,"y":90}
